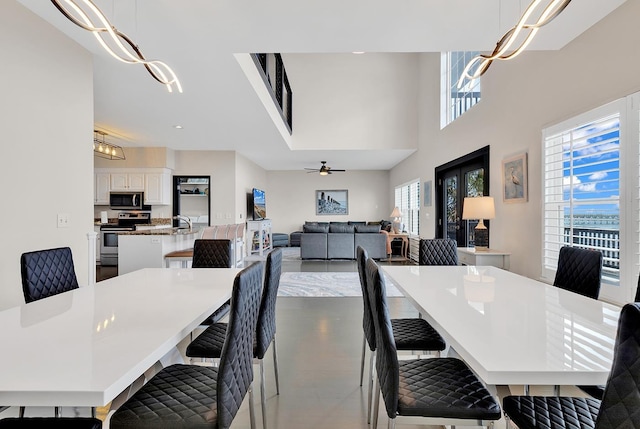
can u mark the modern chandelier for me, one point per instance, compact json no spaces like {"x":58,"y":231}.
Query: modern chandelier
{"x":85,"y":14}
{"x":480,"y":63}
{"x":104,"y":149}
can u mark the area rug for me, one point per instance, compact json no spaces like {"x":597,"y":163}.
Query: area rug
{"x":324,"y":284}
{"x":290,"y":253}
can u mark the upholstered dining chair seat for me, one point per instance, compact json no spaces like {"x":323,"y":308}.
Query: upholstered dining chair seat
{"x":50,"y":423}
{"x":416,"y":334}
{"x":184,"y":395}
{"x":443,"y":387}
{"x":552,"y":412}
{"x":209,"y":343}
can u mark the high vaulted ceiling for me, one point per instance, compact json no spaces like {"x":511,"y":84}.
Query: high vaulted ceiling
{"x":219,"y":109}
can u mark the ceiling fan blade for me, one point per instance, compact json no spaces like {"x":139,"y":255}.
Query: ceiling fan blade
{"x":337,"y":170}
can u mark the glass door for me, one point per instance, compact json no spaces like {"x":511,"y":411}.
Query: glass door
{"x":467,"y":177}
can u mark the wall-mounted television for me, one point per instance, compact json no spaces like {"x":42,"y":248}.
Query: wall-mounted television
{"x":257,"y":205}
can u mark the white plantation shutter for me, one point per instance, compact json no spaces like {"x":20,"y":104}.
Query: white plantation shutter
{"x":581,"y":182}
{"x":407,"y":199}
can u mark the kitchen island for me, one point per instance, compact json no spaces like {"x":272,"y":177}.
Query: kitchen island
{"x":146,"y":249}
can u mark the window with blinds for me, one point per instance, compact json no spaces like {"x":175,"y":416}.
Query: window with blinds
{"x":407,"y":199}
{"x":581,"y":162}
{"x":455,"y":101}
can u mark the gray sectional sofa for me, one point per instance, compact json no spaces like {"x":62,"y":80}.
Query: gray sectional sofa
{"x":339,"y":240}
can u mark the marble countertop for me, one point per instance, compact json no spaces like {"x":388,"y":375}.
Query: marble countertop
{"x":162,"y":231}
{"x":156,"y":221}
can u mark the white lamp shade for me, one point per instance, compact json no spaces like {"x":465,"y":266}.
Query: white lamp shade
{"x":478,"y":208}
{"x":396,"y":212}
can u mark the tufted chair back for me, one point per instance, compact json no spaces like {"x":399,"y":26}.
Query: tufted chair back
{"x":212,"y":254}
{"x":438,"y":251}
{"x":579,"y":270}
{"x":46,"y":273}
{"x":387,"y":366}
{"x":235,"y":372}
{"x":367,"y":321}
{"x":266,"y":327}
{"x":621,"y":401}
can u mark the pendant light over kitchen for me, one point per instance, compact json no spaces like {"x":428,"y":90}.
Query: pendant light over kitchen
{"x":85,"y":14}
{"x":104,"y":149}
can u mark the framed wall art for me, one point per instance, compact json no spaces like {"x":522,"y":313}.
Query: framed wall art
{"x":514,"y":179}
{"x":332,"y":202}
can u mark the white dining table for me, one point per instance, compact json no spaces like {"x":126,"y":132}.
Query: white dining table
{"x":86,"y":346}
{"x":510,"y":329}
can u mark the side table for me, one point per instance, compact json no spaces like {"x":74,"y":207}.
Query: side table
{"x":405,"y":243}
{"x":493,"y":257}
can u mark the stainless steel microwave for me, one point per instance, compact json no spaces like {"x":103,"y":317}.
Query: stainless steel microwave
{"x":126,"y":200}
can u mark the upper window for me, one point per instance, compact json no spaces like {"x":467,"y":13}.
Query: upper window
{"x":582,"y":182}
{"x":455,"y":101}
{"x":407,"y":198}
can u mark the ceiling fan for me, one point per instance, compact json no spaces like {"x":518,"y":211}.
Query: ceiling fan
{"x":323,"y":170}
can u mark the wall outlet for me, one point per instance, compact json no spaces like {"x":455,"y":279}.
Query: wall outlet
{"x":63,"y":220}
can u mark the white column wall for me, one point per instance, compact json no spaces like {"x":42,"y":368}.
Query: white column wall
{"x":46,"y":116}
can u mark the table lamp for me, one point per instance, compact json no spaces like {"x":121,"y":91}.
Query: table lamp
{"x":396,"y":215}
{"x":480,"y":208}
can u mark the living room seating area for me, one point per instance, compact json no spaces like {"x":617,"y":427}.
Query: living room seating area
{"x":339,"y":240}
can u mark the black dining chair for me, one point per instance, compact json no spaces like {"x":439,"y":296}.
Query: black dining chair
{"x":579,"y":270}
{"x":412,"y":334}
{"x":437,"y":251}
{"x":440,"y":390}
{"x":190,"y":396}
{"x":47,"y":272}
{"x":213,"y":253}
{"x":620,"y":404}
{"x":598,"y":390}
{"x":50,"y":423}
{"x":208,"y":345}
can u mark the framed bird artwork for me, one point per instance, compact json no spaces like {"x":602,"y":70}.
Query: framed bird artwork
{"x":514,"y":179}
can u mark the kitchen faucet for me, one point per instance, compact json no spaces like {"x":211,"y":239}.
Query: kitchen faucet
{"x":186,"y":219}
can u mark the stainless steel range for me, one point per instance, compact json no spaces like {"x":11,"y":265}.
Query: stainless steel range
{"x":127,"y":221}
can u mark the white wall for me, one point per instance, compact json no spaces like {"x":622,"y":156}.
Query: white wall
{"x":46,"y":116}
{"x":221,"y":166}
{"x":520,"y":98}
{"x":291,"y":197}
{"x":347,"y":101}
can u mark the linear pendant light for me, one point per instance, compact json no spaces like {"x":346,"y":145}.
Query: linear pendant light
{"x":111,"y":39}
{"x":482,"y":62}
{"x":104,"y":149}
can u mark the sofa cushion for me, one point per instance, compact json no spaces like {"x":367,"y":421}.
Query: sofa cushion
{"x":313,"y":222}
{"x":368,"y":228}
{"x":338,"y":223}
{"x":323,"y":229}
{"x":357,"y":222}
{"x":341,"y":229}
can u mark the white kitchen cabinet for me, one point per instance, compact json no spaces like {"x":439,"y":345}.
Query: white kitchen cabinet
{"x":157,"y":188}
{"x":127,"y":181}
{"x":154,"y":182}
{"x":102,"y":185}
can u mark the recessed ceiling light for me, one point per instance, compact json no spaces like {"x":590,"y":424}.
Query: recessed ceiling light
{"x":177,"y":127}
{"x":358,"y":52}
